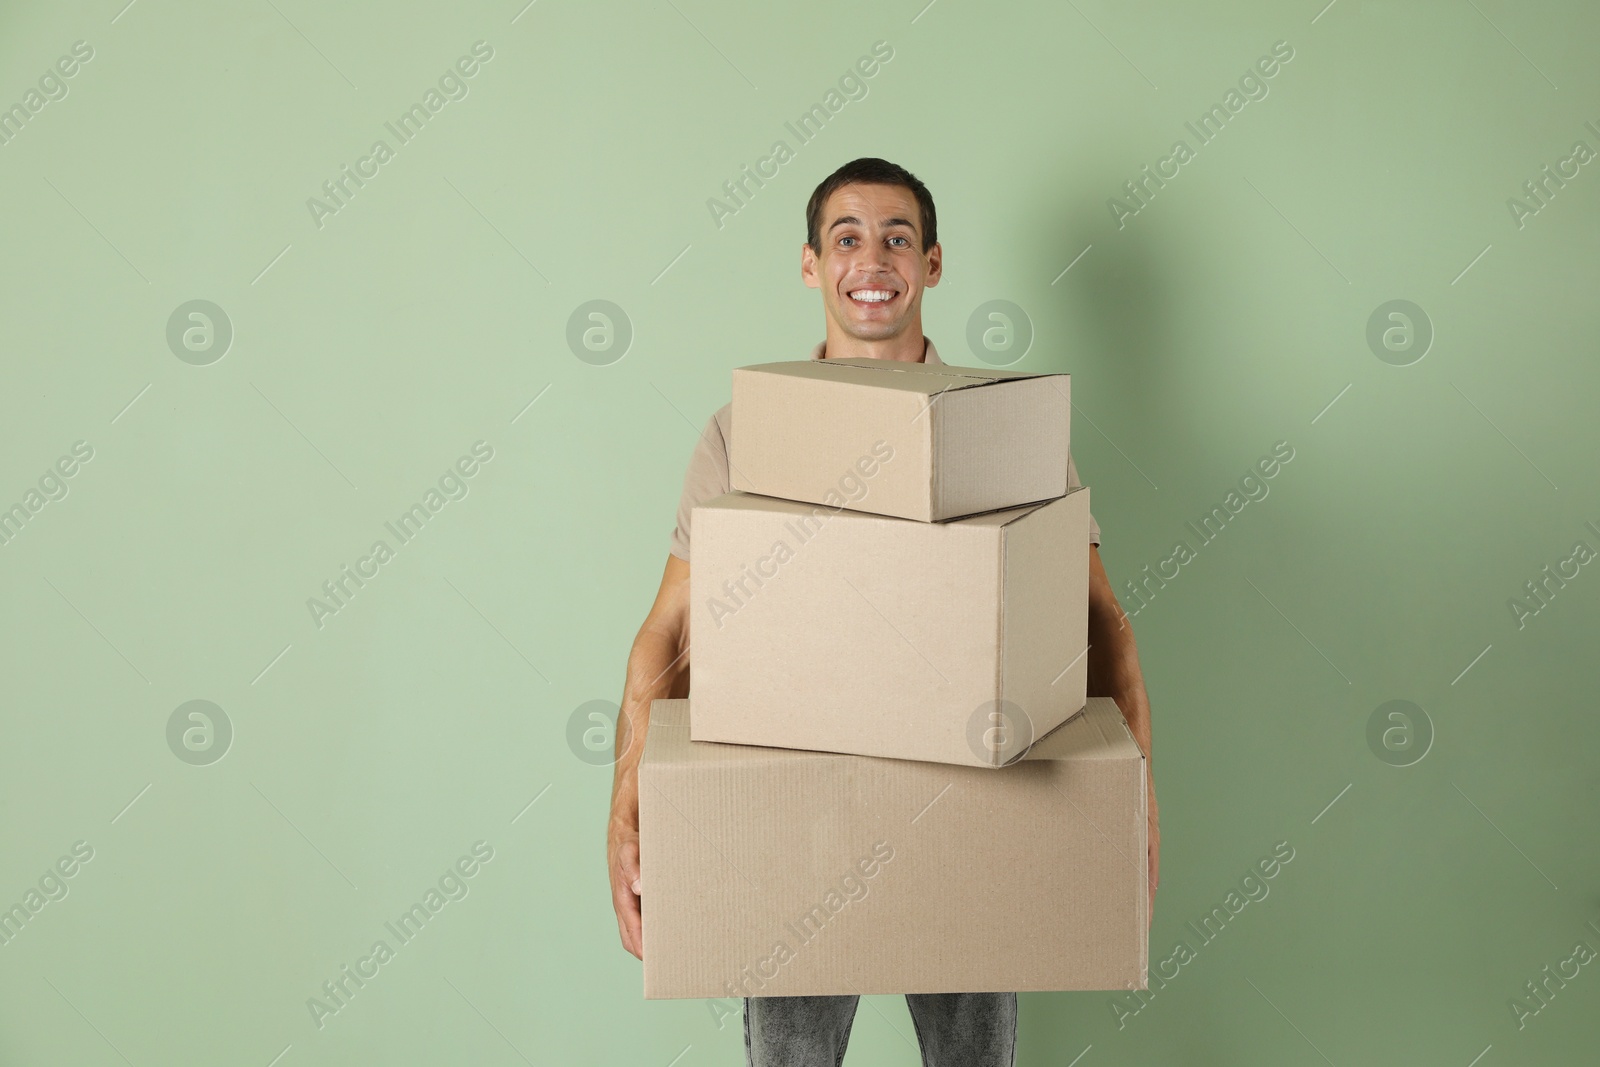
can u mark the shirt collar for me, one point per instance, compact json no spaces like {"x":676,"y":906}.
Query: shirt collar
{"x":930,"y":354}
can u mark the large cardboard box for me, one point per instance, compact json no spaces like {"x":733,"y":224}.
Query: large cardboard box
{"x":957,"y":642}
{"x":929,"y":441}
{"x":771,"y":872}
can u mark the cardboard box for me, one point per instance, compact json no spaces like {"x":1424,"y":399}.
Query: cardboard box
{"x":770,"y":872}
{"x":930,"y":441}
{"x":957,"y":642}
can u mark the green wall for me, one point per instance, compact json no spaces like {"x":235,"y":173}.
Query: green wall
{"x":372,"y":346}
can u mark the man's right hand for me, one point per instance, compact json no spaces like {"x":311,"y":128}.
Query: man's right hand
{"x":622,"y":856}
{"x":658,"y":667}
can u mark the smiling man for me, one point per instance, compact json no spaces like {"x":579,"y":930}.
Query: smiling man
{"x":871,"y":248}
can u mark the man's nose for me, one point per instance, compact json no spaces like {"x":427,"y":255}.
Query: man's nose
{"x":873,"y":262}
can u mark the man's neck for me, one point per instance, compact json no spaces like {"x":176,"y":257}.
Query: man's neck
{"x":909,"y":347}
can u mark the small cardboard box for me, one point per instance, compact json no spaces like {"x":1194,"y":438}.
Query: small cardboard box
{"x":772,"y":872}
{"x":948,"y":441}
{"x":956,"y":642}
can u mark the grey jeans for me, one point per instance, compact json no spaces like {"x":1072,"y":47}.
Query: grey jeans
{"x":953,"y":1029}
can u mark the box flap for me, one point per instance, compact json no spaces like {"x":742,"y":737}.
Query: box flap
{"x":988,"y":374}
{"x":927,"y":378}
{"x":1098,"y":732}
{"x":739,"y":500}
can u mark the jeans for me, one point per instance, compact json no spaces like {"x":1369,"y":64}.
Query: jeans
{"x":953,"y":1029}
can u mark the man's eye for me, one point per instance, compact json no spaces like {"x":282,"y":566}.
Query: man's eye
{"x":842,"y":240}
{"x":897,"y":239}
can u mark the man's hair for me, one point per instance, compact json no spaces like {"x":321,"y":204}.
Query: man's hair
{"x":870,"y":170}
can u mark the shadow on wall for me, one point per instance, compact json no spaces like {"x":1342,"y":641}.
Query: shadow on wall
{"x":1133,"y":360}
{"x":1117,"y":303}
{"x":1149,"y":382}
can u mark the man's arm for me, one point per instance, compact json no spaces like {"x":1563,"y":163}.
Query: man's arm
{"x":1113,"y":656}
{"x":658,"y":668}
{"x":1114,"y":672}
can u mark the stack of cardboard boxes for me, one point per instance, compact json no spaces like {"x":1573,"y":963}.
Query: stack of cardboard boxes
{"x":891,"y":780}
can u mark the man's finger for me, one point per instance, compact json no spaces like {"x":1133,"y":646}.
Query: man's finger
{"x":629,"y":923}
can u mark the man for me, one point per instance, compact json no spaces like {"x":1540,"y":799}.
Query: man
{"x":871,"y":247}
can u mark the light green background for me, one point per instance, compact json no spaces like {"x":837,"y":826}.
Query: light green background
{"x":369,"y":353}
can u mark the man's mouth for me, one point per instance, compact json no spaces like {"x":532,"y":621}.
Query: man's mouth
{"x":871,"y":297}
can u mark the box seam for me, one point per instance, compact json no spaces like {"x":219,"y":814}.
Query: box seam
{"x":1000,"y":632}
{"x":953,"y":371}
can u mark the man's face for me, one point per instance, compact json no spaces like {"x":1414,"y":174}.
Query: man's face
{"x":871,"y":238}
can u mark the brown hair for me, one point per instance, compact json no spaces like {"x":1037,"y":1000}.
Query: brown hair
{"x":870,"y":170}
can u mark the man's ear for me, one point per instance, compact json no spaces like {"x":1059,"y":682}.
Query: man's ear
{"x":935,"y":266}
{"x":808,"y":267}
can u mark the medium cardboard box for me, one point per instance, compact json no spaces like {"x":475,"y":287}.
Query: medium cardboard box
{"x":930,"y":441}
{"x":772,"y":872}
{"x":956,"y":642}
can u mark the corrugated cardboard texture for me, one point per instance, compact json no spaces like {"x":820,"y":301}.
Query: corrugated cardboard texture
{"x":847,"y":632}
{"x":912,"y":440}
{"x":770,"y":872}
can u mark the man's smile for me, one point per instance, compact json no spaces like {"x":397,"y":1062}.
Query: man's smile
{"x":872,"y":296}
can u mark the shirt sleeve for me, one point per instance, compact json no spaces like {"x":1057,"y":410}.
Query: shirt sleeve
{"x":706,"y":477}
{"x":1072,"y":482}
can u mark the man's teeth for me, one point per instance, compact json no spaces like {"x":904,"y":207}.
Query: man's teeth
{"x":872,"y":295}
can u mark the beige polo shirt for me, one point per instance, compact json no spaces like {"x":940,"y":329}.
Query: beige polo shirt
{"x":707,"y":475}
